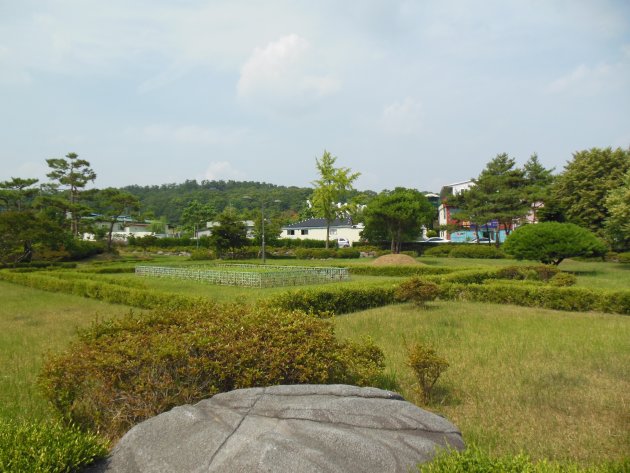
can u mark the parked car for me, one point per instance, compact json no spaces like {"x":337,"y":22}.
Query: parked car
{"x":482,"y":240}
{"x":437,"y":240}
{"x":343,"y":243}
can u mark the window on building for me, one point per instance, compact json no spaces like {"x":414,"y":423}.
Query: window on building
{"x":333,"y":231}
{"x":290,"y":232}
{"x":304,"y":232}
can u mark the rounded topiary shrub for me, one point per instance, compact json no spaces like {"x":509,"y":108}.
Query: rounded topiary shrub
{"x":124,"y":371}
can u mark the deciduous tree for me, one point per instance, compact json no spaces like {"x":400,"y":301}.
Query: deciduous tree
{"x":396,"y":216}
{"x":582,"y":187}
{"x":331,"y":189}
{"x":617,"y":224}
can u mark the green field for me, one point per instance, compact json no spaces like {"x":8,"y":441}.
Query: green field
{"x":553,"y":384}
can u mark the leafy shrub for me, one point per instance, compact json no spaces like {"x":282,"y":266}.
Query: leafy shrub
{"x":552,"y":242}
{"x":123,"y":371}
{"x":470,"y":250}
{"x":418,"y":291}
{"x":623,"y":257}
{"x":394,"y":271}
{"x":315,"y":253}
{"x":466,"y":276}
{"x":427,"y":366}
{"x":563,"y":279}
{"x":326,"y":301}
{"x":299,"y":243}
{"x":47,"y":447}
{"x":537,"y":272}
{"x":200,"y":255}
{"x":439,"y":250}
{"x":578,"y":299}
{"x":475,"y":460}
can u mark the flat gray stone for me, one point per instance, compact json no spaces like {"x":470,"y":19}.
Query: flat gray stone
{"x":301,"y":428}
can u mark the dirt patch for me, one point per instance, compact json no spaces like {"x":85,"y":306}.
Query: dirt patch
{"x":395,"y":260}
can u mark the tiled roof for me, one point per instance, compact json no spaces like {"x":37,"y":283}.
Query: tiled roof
{"x":320,"y":223}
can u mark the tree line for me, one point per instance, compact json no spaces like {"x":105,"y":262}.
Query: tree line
{"x":592,"y":191}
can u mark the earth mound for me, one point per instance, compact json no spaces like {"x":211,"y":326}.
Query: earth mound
{"x":395,"y":260}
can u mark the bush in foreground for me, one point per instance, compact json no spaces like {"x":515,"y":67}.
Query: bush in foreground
{"x":47,"y":447}
{"x":124,"y":371}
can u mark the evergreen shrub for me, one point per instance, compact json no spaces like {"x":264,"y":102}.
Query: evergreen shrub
{"x":122,"y":371}
{"x":397,"y":271}
{"x":47,"y":447}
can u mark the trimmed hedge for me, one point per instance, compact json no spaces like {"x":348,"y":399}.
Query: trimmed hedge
{"x":114,"y":293}
{"x":47,"y":447}
{"x":324,"y":302}
{"x":549,"y":297}
{"x":480,"y":250}
{"x":397,"y":271}
{"x":323,"y":253}
{"x":123,"y":371}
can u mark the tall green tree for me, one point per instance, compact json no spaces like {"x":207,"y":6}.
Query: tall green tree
{"x":23,"y":233}
{"x":498,"y":194}
{"x":617,"y":224}
{"x":397,"y":216}
{"x":73,"y":174}
{"x":17,"y":193}
{"x":196,"y":215}
{"x":331,"y":190}
{"x":538,"y":180}
{"x":113,"y":203}
{"x":582,"y":187}
{"x":230,"y":234}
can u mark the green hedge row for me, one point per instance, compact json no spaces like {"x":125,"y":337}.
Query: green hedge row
{"x":578,"y":299}
{"x":114,"y":293}
{"x":397,"y":271}
{"x":323,"y":253}
{"x":47,"y":447}
{"x":466,"y":250}
{"x":326,"y":301}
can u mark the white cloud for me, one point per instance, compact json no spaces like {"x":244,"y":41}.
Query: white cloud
{"x":403,"y":117}
{"x":191,"y":134}
{"x":282,"y":73}
{"x":221,"y":170}
{"x":585,"y":80}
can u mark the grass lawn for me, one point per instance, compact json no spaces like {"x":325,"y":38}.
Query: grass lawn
{"x":33,"y":322}
{"x":553,"y":384}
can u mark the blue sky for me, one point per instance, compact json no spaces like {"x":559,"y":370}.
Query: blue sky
{"x":409,"y":93}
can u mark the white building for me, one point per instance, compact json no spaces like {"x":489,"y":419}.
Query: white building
{"x":315,"y":229}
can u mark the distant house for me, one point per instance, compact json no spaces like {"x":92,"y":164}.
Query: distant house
{"x":125,"y":226}
{"x":250,"y":227}
{"x":315,"y":229}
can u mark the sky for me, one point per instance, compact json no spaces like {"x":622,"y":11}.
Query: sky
{"x":416,"y":94}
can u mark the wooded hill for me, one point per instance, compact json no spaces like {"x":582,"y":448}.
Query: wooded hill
{"x":169,"y":200}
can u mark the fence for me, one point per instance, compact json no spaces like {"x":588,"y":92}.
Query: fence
{"x":250,"y":275}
